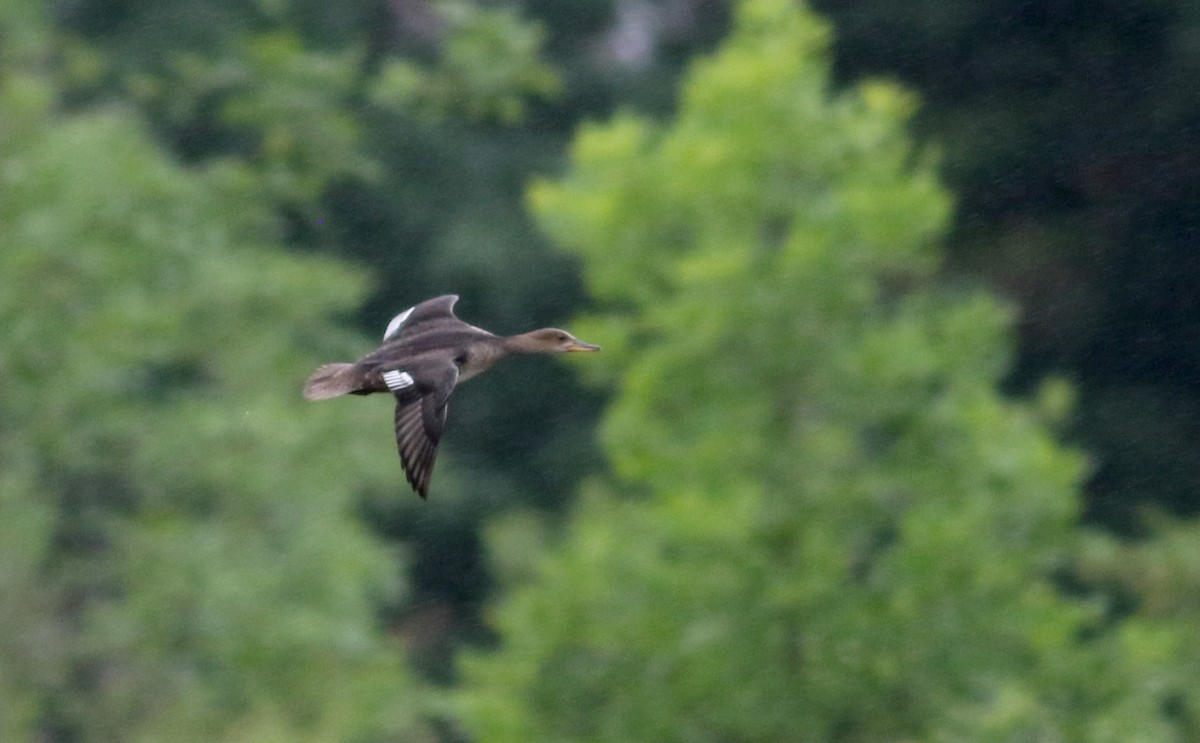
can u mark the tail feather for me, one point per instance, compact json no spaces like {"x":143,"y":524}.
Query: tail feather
{"x":329,"y":381}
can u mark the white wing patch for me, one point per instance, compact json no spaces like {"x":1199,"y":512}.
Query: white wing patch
{"x":394,"y":326}
{"x":397,"y":380}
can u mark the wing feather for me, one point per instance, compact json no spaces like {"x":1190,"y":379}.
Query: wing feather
{"x":407,"y":322}
{"x":420,"y":420}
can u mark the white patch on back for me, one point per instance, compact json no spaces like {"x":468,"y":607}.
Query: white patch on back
{"x":394,"y":326}
{"x":397,"y":380}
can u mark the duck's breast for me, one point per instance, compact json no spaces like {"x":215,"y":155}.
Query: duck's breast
{"x":476,"y":358}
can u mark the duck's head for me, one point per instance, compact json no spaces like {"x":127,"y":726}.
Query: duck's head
{"x":552,"y":340}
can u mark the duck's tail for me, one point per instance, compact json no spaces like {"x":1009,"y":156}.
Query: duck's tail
{"x":329,"y":381}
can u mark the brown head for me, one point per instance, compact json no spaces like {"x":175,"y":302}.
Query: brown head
{"x":548,"y":340}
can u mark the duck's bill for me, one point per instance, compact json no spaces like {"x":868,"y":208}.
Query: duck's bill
{"x":581,"y":346}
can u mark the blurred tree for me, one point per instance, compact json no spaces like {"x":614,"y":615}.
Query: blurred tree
{"x":180,"y":554}
{"x":845,"y":532}
{"x":389,"y":133}
{"x":401,"y":135}
{"x":1158,"y":582}
{"x":1069,"y":135}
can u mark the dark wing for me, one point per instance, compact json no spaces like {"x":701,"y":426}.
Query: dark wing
{"x":418,"y":429}
{"x":430,"y":311}
{"x":420,"y":420}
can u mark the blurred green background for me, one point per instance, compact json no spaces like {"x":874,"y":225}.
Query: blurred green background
{"x":895,"y":436}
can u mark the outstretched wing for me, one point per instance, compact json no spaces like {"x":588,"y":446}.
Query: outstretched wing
{"x":418,"y":429}
{"x":420,"y":420}
{"x":438,"y":308}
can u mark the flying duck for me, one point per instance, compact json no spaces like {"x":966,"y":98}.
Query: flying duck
{"x":426,"y":352}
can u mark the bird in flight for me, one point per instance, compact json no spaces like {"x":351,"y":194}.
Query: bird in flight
{"x":426,"y":352}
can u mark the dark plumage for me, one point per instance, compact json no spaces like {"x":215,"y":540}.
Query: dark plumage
{"x":426,"y":352}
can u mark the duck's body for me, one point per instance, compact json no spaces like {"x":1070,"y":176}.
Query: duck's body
{"x":427,"y":351}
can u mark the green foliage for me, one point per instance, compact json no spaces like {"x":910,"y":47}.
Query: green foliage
{"x":284,"y":104}
{"x":394,"y":134}
{"x":1158,"y":582}
{"x":1065,"y":138}
{"x":489,"y":67}
{"x":848,"y":533}
{"x":180,"y":554}
{"x":286,"y":89}
{"x":398,"y":135}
